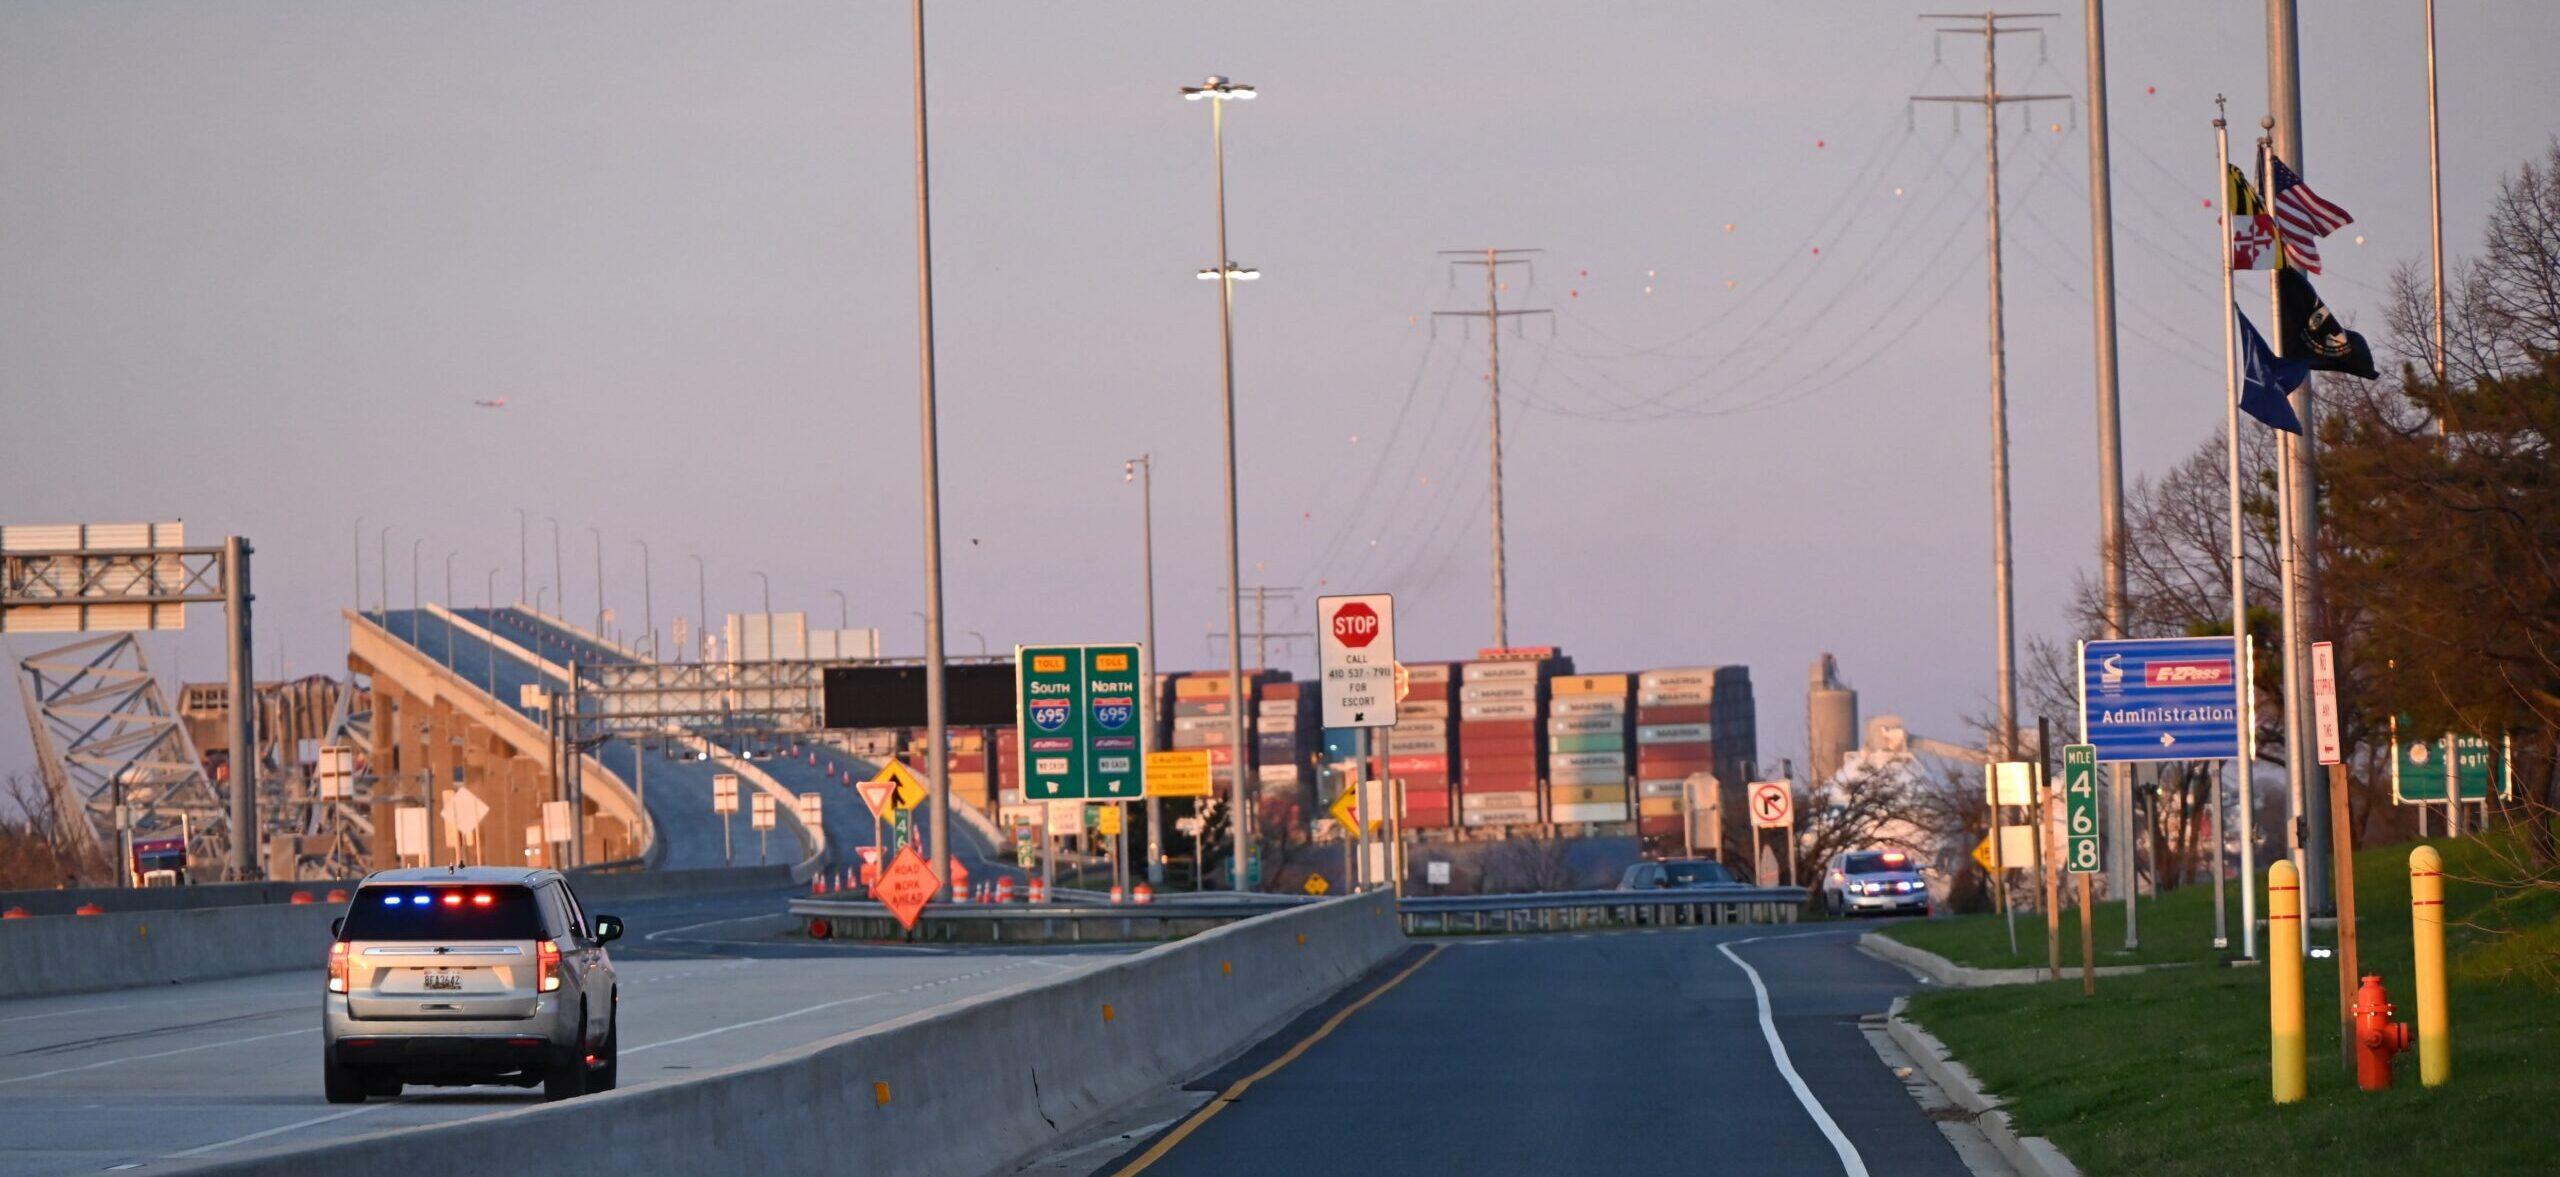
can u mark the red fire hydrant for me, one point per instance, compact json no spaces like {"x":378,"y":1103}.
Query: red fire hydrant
{"x":2377,"y":1036}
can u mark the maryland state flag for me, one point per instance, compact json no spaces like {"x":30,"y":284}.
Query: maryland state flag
{"x":2253,"y":230}
{"x":2314,"y":336}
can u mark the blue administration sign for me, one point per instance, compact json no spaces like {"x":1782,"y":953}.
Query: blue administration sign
{"x":2161,"y":699}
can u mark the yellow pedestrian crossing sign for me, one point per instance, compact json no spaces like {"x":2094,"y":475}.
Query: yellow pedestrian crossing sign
{"x":1346,"y":810}
{"x":1317,"y":886}
{"x":910,"y":790}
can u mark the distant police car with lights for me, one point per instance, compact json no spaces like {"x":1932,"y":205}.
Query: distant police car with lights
{"x":455,"y":976}
{"x":1859,"y":881}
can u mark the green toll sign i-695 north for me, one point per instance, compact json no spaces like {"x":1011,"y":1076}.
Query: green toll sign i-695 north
{"x":1084,"y":713}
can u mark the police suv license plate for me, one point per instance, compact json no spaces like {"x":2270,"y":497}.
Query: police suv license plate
{"x":444,"y":981}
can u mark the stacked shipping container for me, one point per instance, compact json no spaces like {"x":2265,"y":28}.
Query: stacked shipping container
{"x":1285,"y":727}
{"x":1501,"y":710}
{"x":1587,"y":763}
{"x":1422,"y":746}
{"x":1675,"y":738}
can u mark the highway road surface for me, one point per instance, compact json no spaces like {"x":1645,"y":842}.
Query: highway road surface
{"x":140,"y":1078}
{"x":1683,"y":1050}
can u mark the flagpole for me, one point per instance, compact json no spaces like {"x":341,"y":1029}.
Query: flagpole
{"x":2243,"y":767}
{"x":2288,"y":556}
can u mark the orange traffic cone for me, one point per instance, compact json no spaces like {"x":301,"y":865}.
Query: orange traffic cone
{"x":1146,"y":894}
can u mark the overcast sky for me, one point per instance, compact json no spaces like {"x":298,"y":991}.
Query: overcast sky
{"x":257,"y":260}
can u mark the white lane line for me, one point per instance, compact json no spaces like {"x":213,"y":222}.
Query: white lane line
{"x":711,"y":924}
{"x":200,"y":1150}
{"x":163,"y":1054}
{"x":1850,"y":1162}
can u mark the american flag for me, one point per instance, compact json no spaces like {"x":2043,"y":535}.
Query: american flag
{"x":2302,"y":217}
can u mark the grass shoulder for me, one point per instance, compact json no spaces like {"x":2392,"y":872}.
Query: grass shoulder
{"x":2167,"y":1072}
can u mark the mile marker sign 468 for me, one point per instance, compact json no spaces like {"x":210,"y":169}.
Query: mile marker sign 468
{"x":1356,"y":656}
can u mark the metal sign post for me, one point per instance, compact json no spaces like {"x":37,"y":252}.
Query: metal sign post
{"x":724,"y":802}
{"x":2151,"y":699}
{"x":1083,"y":711}
{"x":1773,"y":806}
{"x":761,"y":818}
{"x":1356,"y":661}
{"x":2324,"y":709}
{"x":2080,"y":857}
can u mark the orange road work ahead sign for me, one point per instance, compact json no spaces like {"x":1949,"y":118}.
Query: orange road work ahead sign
{"x":907,"y":886}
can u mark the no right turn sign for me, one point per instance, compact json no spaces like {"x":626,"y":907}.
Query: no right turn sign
{"x":1773,"y":804}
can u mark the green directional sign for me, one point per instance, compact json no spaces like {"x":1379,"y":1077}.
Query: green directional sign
{"x":2417,"y":767}
{"x":2080,"y":809}
{"x":1084,"y":714}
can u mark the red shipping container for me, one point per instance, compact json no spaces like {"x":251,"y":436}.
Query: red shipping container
{"x":1648,"y":768}
{"x":1501,"y":783}
{"x":1411,"y":766}
{"x":1434,"y":691}
{"x":1659,"y":826}
{"x":1690,"y":713}
{"x":1474,"y":766}
{"x":1498,"y":728}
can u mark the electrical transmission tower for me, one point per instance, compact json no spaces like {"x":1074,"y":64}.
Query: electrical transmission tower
{"x":1991,"y":26}
{"x":1493,"y":314}
{"x":1263,"y":634}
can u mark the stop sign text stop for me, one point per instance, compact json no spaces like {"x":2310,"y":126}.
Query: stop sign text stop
{"x":1355,"y":625}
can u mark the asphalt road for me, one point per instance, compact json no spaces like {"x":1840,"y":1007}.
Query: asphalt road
{"x":125,"y":1079}
{"x":1625,"y":1052}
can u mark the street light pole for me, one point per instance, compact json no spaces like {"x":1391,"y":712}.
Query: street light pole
{"x":382,"y":561}
{"x":1147,"y":550}
{"x":598,"y":532}
{"x":559,"y":582}
{"x":448,"y":578}
{"x":937,"y":723}
{"x":648,"y":603}
{"x":982,"y":641}
{"x":416,"y":547}
{"x":1219,"y":91}
{"x":701,"y":603}
{"x":524,"y":525}
{"x":844,"y":611}
{"x":492,"y":644}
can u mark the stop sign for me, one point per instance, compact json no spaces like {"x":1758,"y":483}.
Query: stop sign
{"x":1355,"y":624}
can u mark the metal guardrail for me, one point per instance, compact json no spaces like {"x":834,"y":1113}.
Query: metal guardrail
{"x":1079,"y":916}
{"x":1554,"y":910}
{"x":1075,"y":919}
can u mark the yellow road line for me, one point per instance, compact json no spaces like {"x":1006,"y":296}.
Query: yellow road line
{"x":1237,"y":1089}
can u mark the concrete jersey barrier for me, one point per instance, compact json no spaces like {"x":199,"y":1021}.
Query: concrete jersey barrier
{"x":974,"y":1087}
{"x":56,"y":954}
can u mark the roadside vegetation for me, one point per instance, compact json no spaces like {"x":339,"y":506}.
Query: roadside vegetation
{"x":2167,"y":1071}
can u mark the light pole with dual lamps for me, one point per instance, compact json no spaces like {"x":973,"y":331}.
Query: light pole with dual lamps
{"x":1218,"y":91}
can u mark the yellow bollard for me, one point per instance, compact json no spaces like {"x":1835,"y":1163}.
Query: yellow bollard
{"x":2284,"y":983}
{"x":2426,"y":928}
